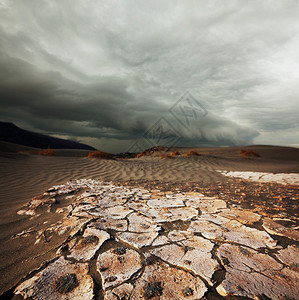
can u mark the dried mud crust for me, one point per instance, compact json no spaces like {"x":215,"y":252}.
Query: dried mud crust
{"x":143,"y":240}
{"x":266,"y":198}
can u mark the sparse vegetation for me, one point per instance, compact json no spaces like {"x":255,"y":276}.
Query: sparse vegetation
{"x":248,"y":153}
{"x":99,"y":154}
{"x":175,"y":153}
{"x":166,"y":156}
{"x":192,"y":153}
{"x":47,"y":152}
{"x":125,"y":155}
{"x":154,"y":151}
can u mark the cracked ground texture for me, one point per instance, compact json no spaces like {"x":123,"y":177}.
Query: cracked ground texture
{"x":133,"y":243}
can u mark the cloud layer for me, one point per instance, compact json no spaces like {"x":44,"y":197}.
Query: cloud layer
{"x":106,"y":72}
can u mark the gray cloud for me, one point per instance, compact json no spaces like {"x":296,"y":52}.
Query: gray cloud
{"x":105,"y":72}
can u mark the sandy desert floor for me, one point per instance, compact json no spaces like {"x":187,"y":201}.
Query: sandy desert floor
{"x":256,"y":218}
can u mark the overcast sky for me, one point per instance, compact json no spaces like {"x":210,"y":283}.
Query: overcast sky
{"x":115,"y":73}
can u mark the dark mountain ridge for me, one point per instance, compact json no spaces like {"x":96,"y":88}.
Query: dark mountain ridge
{"x":9,"y":132}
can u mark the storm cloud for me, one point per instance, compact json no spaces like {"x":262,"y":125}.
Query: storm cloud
{"x":108,"y":73}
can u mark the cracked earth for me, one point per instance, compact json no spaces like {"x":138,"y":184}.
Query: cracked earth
{"x":133,"y":243}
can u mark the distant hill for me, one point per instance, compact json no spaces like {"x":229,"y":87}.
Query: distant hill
{"x":9,"y":132}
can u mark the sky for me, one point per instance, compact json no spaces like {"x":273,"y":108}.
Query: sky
{"x":127,"y":75}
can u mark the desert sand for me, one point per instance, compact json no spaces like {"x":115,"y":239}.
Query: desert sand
{"x":229,"y":216}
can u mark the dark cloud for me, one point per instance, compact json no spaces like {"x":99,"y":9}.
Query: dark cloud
{"x":106,"y":72}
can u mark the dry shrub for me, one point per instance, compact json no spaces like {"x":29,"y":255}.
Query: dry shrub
{"x":47,"y":152}
{"x":140,"y":155}
{"x":99,"y":154}
{"x":248,"y":153}
{"x":166,"y":156}
{"x":175,"y":153}
{"x":192,"y":153}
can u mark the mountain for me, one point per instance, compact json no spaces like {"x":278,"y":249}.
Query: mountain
{"x":9,"y":132}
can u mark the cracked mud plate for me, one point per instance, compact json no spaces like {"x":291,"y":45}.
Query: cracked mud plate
{"x":60,"y":280}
